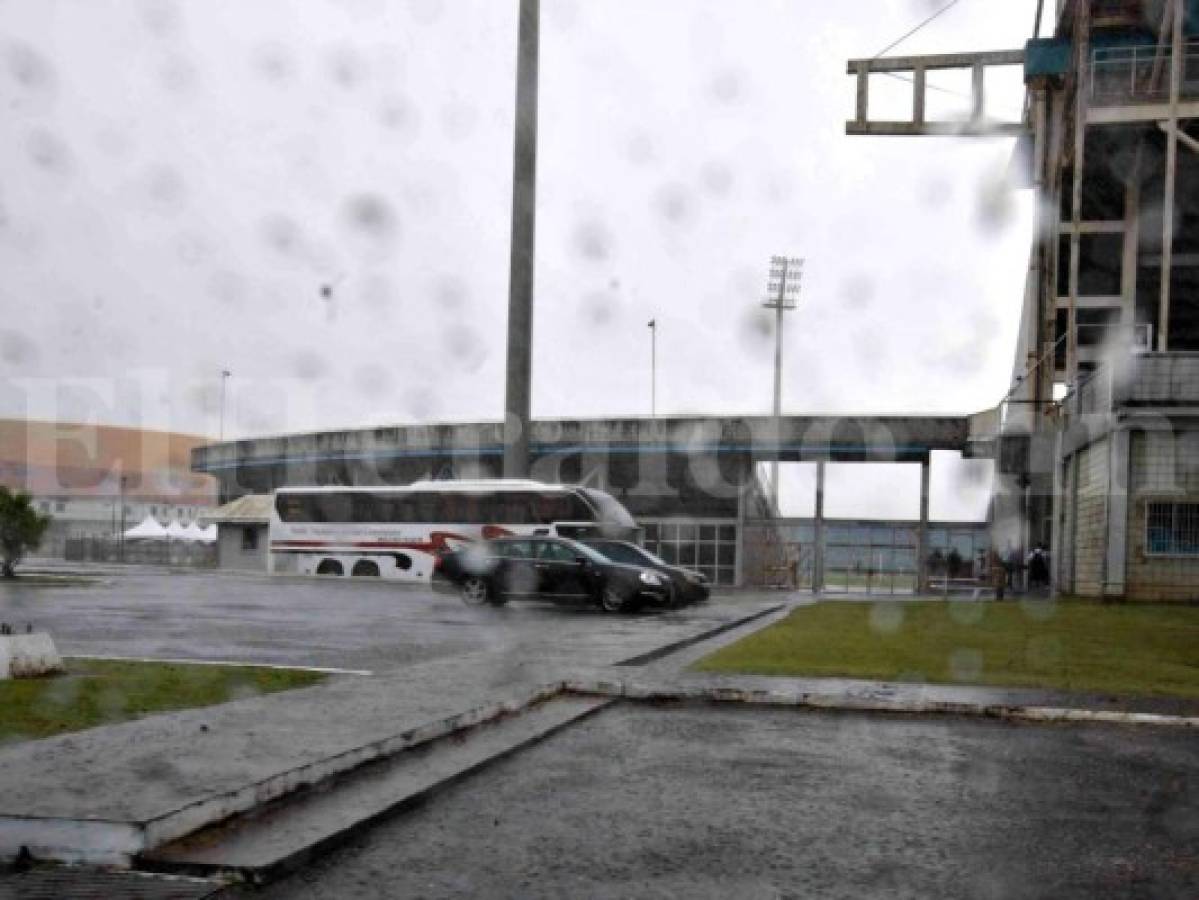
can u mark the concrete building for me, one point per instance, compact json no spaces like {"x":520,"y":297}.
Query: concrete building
{"x":242,"y":532}
{"x":1097,"y":444}
{"x":97,"y":480}
{"x":692,"y":482}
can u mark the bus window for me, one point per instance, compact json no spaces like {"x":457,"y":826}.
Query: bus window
{"x":333,"y":508}
{"x":291,"y":508}
{"x":403,"y":508}
{"x":549,"y":508}
{"x":428,"y":508}
{"x":470,"y":509}
{"x":491,"y":508}
{"x":367,"y":507}
{"x":510,"y":509}
{"x":451,"y":509}
{"x":522,"y":508}
{"x":580,"y":509}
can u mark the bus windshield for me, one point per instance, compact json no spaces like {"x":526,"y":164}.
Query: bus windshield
{"x":611,"y":511}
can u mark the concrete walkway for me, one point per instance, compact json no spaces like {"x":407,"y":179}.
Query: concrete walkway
{"x":1024,"y":704}
{"x":108,"y":794}
{"x":119,"y":789}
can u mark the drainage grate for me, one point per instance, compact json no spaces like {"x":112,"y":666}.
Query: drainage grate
{"x":72,"y":883}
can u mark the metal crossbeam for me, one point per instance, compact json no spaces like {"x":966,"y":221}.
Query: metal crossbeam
{"x":917,"y":67}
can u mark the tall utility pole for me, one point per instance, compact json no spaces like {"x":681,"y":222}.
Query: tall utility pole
{"x":121,"y":533}
{"x":524,"y":230}
{"x":653,"y":368}
{"x":782,"y":293}
{"x":225,"y":373}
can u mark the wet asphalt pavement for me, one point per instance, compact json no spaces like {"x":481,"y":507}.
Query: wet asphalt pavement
{"x":723,"y":802}
{"x":345,"y":623}
{"x":680,"y":801}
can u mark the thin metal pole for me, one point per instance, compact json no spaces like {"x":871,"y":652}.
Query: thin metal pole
{"x":653,"y":368}
{"x":778,"y":389}
{"x":225,"y":373}
{"x":1163,"y":314}
{"x":1082,"y":31}
{"x":121,"y":534}
{"x":523,"y":247}
{"x":818,"y":562}
{"x":922,"y":532}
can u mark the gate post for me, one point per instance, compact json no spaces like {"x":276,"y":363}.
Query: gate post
{"x":818,"y":556}
{"x":922,"y":533}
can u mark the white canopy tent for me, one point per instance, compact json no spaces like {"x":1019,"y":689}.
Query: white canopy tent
{"x":176,"y":532}
{"x":146,"y":530}
{"x":193,"y":532}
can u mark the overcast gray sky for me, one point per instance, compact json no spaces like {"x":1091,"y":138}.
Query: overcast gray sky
{"x":178,"y":180}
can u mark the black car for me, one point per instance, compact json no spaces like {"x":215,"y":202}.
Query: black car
{"x":686,"y":585}
{"x":551,"y":568}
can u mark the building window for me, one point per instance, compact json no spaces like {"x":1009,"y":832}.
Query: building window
{"x":709,"y":547}
{"x":60,"y":506}
{"x":1172,"y":529}
{"x":249,"y":538}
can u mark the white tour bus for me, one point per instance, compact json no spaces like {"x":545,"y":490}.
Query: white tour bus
{"x":394,"y":532}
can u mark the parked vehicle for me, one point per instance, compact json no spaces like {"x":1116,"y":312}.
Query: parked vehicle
{"x":686,"y":585}
{"x":396,"y":532}
{"x":559,"y":569}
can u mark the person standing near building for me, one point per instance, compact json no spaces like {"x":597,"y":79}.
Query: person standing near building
{"x":1038,"y":568}
{"x":998,"y":574}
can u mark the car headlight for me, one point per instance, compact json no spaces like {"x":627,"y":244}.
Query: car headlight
{"x":651,"y":578}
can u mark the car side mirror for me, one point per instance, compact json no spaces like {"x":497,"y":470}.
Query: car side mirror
{"x":582,"y":560}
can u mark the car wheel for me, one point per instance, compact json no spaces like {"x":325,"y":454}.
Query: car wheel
{"x":474,"y":591}
{"x":675,"y":598}
{"x":612,"y":600}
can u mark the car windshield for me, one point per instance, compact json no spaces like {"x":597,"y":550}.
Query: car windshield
{"x":652,"y":557}
{"x":627,"y":553}
{"x":583,"y":550}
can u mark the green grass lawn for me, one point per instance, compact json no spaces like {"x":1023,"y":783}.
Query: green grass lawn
{"x":100,"y":692}
{"x":48,"y":579}
{"x":1076,"y":646}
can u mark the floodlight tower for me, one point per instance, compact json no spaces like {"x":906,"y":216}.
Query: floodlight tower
{"x":518,"y":389}
{"x":782,"y":293}
{"x":225,"y":373}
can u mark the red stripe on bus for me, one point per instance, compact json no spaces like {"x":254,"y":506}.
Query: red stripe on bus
{"x":397,"y":545}
{"x":438,"y":540}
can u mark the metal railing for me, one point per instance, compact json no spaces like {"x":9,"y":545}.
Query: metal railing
{"x":1140,"y":74}
{"x":1143,"y":379}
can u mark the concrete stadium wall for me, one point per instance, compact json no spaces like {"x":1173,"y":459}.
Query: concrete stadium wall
{"x":1090,"y":527}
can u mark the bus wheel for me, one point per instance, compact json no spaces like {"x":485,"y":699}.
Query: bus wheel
{"x":329,"y":567}
{"x":474,"y":591}
{"x":364,"y":567}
